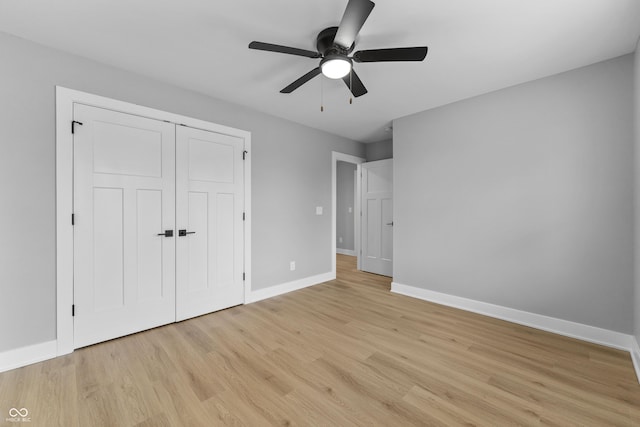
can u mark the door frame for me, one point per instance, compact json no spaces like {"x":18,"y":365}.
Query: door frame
{"x":348,"y":158}
{"x":65,"y":98}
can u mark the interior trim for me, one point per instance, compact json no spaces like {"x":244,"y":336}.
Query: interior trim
{"x":335,"y":158}
{"x":635,"y":356}
{"x":579,"y":331}
{"x":23,"y":356}
{"x":349,"y":252}
{"x":273,"y":291}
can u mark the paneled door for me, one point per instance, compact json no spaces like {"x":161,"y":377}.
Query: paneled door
{"x":159,"y":230}
{"x":209,"y":217}
{"x":377,"y":217}
{"x":124,"y":209}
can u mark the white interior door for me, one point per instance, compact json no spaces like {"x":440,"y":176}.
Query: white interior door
{"x":210,"y":202}
{"x":124,"y":197}
{"x":377,"y":217}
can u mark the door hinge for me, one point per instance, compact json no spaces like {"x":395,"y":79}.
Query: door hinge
{"x":73,"y":219}
{"x":244,"y":154}
{"x":73,"y":310}
{"x":243,"y":216}
{"x":73,"y":125}
{"x":243,"y":276}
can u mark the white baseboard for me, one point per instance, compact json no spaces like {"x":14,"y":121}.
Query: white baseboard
{"x":635,"y":356}
{"x":23,"y":356}
{"x":19,"y":357}
{"x":349,"y":252}
{"x":579,"y":331}
{"x":284,"y":288}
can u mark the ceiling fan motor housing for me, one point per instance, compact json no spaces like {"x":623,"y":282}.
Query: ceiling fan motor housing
{"x":326,"y":46}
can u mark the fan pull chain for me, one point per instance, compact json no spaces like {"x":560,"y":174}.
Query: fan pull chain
{"x":321,"y":94}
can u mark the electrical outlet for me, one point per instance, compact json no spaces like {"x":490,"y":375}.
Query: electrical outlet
{"x":318,"y":210}
{"x":292,"y":265}
{"x":339,"y":239}
{"x":350,"y":209}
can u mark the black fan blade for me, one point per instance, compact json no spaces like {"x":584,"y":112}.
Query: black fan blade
{"x":394,"y":54}
{"x":283,"y":49}
{"x":354,"y":83}
{"x":353,"y":19}
{"x":302,"y":80}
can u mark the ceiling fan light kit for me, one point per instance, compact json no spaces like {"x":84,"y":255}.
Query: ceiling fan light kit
{"x":334,"y":44}
{"x":335,"y":66}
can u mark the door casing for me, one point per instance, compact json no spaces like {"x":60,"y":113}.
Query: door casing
{"x":65,"y":99}
{"x":335,"y":157}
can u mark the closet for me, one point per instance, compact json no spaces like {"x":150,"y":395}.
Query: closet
{"x":158,"y":231}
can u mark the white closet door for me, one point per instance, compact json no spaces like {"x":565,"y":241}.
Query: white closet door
{"x":124,"y":196}
{"x":377,"y":217}
{"x":210,"y":201}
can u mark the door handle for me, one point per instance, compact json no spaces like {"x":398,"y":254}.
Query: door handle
{"x":183,"y":233}
{"x":167,"y":233}
{"x":390,"y":223}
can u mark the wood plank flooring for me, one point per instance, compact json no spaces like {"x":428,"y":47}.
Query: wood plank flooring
{"x":343,"y":353}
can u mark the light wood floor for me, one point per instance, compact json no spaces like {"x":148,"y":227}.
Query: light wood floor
{"x":344,"y":353}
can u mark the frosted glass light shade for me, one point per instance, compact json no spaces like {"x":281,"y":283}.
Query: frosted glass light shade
{"x":335,"y":67}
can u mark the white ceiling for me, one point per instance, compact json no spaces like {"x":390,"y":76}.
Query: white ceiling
{"x":474,"y":47}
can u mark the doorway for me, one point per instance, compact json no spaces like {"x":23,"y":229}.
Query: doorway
{"x":346,"y":208}
{"x":348,"y":160}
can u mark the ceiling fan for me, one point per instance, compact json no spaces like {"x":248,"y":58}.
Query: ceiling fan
{"x":334,"y":44}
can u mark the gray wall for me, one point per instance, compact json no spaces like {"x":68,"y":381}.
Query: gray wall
{"x":524,"y":197}
{"x":379,"y":150}
{"x":345,"y":197}
{"x":636,"y":75}
{"x":286,"y":185}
